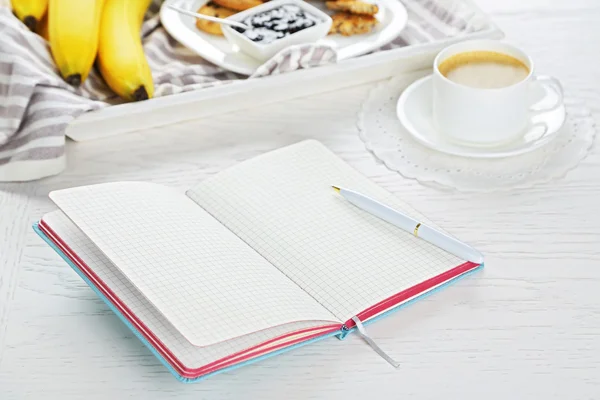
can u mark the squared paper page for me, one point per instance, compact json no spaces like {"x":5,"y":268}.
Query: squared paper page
{"x":190,"y":356}
{"x":282,"y":204}
{"x":207,"y":282}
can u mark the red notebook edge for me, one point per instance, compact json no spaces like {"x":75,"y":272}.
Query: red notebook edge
{"x":160,"y":347}
{"x":412,"y":292}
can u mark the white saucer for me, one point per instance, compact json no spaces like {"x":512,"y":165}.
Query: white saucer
{"x":414,"y":110}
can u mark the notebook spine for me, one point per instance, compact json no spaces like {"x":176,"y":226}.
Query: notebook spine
{"x":344,"y":331}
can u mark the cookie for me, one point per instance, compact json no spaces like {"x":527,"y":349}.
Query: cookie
{"x":213,"y":10}
{"x":353,"y":7}
{"x":347,"y":24}
{"x":239,"y":5}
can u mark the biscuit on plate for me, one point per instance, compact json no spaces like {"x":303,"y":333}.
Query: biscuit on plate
{"x":347,"y":24}
{"x":353,"y":7}
{"x":239,"y":5}
{"x":213,"y":10}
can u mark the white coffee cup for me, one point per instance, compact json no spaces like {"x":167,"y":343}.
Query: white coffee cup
{"x":487,"y":116}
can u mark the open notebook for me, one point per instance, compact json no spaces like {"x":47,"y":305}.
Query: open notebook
{"x":257,"y":259}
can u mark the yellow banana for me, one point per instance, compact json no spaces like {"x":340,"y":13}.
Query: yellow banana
{"x":73,"y":28}
{"x":121,"y":57}
{"x":29,"y":11}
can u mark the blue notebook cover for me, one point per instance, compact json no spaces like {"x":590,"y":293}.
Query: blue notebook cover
{"x":136,"y":332}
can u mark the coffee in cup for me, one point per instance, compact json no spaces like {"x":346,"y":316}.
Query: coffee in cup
{"x":484,"y":69}
{"x":483,"y":92}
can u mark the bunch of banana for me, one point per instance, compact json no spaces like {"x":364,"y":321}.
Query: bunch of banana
{"x":121,"y":57}
{"x":29,"y":11}
{"x":81,"y":31}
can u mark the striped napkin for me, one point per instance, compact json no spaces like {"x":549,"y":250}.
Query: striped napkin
{"x":36,"y":105}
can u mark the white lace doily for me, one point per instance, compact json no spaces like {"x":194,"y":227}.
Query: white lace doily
{"x":385,"y":137}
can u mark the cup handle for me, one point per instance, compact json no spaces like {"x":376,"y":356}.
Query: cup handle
{"x":549,"y":82}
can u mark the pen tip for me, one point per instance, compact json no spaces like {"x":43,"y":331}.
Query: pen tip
{"x":337,"y":189}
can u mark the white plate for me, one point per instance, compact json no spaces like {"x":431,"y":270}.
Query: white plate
{"x":414,"y":110}
{"x":216,"y":49}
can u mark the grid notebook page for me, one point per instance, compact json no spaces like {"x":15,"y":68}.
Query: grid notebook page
{"x":207,"y":282}
{"x":282,"y":204}
{"x":190,"y":356}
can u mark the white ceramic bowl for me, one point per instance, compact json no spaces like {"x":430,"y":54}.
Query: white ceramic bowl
{"x":264,"y":51}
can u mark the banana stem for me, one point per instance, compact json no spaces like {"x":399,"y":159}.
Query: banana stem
{"x":30,"y":22}
{"x":74,"y":80}
{"x":140,"y":94}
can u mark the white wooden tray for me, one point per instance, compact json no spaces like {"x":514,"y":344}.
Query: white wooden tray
{"x":175,"y":108}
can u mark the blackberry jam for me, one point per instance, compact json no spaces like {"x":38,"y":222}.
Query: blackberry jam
{"x":277,"y":23}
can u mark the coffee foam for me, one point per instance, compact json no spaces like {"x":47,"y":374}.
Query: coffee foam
{"x":484,"y":69}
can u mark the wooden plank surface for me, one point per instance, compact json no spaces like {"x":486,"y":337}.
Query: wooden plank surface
{"x":526,"y":327}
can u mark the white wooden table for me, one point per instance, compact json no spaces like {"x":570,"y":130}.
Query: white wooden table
{"x":526,"y":327}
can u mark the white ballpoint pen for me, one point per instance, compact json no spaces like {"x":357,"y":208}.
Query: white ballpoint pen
{"x":403,"y":221}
